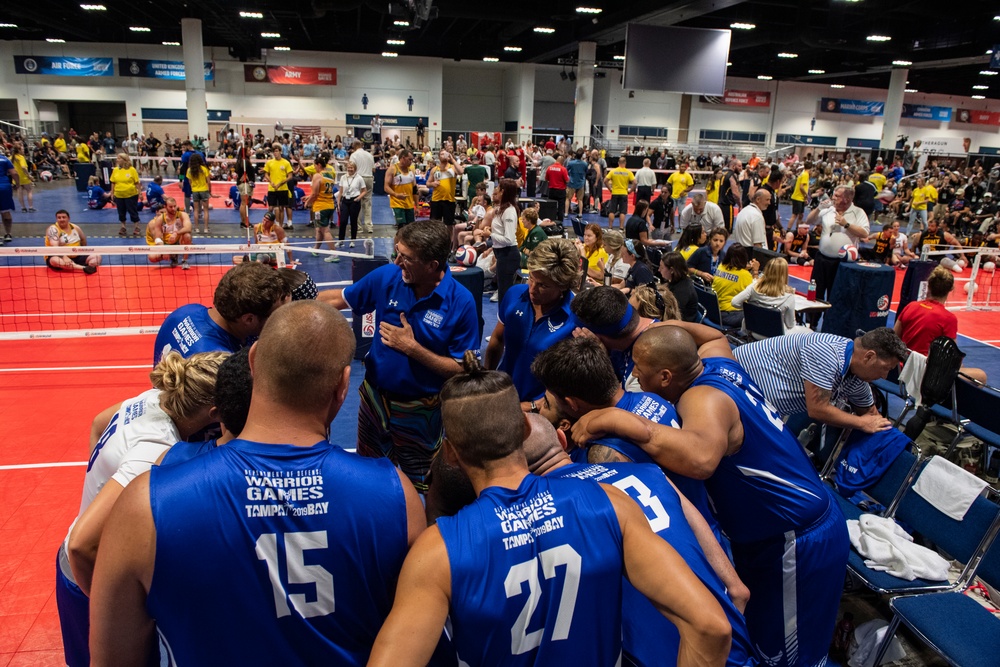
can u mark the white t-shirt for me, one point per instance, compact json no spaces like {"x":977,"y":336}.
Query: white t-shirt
{"x":364,"y":161}
{"x":645,"y":177}
{"x":834,"y":236}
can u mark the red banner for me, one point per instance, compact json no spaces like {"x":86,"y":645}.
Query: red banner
{"x":977,"y":117}
{"x":303,"y":76}
{"x":741,"y":98}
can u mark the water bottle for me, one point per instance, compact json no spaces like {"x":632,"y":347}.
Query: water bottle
{"x":811,"y":294}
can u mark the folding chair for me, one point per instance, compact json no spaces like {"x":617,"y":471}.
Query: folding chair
{"x":887,"y":490}
{"x":709,"y":300}
{"x":892,"y":385}
{"x":958,"y":628}
{"x":944,"y":359}
{"x":762,"y":321}
{"x":974,"y":408}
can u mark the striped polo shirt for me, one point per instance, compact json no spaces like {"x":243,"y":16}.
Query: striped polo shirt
{"x":781,"y":364}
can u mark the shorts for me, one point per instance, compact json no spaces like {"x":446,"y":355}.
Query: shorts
{"x":798,"y":207}
{"x":245,"y":190}
{"x":201,"y":196}
{"x":325,"y":217}
{"x":74,"y":618}
{"x":797,"y":581}
{"x":6,"y":199}
{"x":403,"y":216}
{"x":618,"y":205}
{"x":277,"y":198}
{"x":443,"y":210}
{"x":79,"y":260}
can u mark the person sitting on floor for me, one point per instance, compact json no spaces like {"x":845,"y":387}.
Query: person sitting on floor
{"x":62,"y":234}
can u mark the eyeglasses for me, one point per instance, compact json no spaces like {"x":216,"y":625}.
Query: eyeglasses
{"x":405,"y":259}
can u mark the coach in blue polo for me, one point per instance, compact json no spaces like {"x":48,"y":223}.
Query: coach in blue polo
{"x":535,"y":316}
{"x":426,"y":321}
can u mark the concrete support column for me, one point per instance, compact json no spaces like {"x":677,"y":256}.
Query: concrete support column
{"x":194,"y":77}
{"x":525,"y":102}
{"x":893,"y":108}
{"x":584,"y":113}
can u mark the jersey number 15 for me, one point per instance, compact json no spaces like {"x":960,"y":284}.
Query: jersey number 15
{"x":297,"y":572}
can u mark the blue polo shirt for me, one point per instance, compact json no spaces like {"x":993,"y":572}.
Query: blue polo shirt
{"x":191,"y":330}
{"x":577,"y":173}
{"x":444,"y":321}
{"x":524,"y":338}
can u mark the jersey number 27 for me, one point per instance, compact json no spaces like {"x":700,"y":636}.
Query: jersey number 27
{"x":522,"y":641}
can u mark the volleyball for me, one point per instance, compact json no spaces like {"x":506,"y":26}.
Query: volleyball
{"x":848,"y":253}
{"x":989,"y":267}
{"x":466,"y":255}
{"x":974,"y":287}
{"x":45,"y":176}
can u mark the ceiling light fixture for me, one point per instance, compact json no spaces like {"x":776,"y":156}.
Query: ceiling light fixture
{"x":988,"y":72}
{"x":878,"y":38}
{"x":836,"y":85}
{"x":138,"y":28}
{"x":588,"y":10}
{"x":729,"y":64}
{"x":979,"y":97}
{"x":271,"y":35}
{"x":619,"y":57}
{"x":94,"y":8}
{"x":171,"y":43}
{"x":545,"y":31}
{"x":909,"y":90}
{"x":742,"y":26}
{"x":401,"y":24}
{"x":513,"y":49}
{"x":764,"y":77}
{"x":8,"y":25}
{"x":251,"y":15}
{"x":489,"y":59}
{"x":980,"y":87}
{"x":55,"y":40}
{"x":788,"y":55}
{"x":396,"y":42}
{"x":282,"y":48}
{"x":817,"y":71}
{"x":390,"y":54}
{"x":902,"y":63}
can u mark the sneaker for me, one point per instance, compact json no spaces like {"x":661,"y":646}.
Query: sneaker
{"x":7,"y":238}
{"x":495,"y":298}
{"x":332,"y":259}
{"x":310,"y":224}
{"x":89,"y":269}
{"x":32,"y":208}
{"x":287,"y":226}
{"x":185,"y":266}
{"x":314,"y":254}
{"x":352,"y":245}
{"x":173,"y":260}
{"x":24,"y":210}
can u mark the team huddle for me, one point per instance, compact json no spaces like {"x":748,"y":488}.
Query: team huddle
{"x":525,"y":509}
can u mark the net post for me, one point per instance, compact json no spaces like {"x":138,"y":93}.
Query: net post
{"x":972,"y":280}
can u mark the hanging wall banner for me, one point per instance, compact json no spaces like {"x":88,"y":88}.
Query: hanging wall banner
{"x":977,"y":117}
{"x":740,"y":98}
{"x":60,"y":66}
{"x":303,"y":76}
{"x":158,"y":69}
{"x":852,"y":107}
{"x":926,"y":112}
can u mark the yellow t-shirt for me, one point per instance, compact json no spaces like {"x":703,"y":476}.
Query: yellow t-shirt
{"x":729,"y":282}
{"x":21,"y":167}
{"x":402,"y":184}
{"x":520,"y":233}
{"x":688,"y":251}
{"x":621,"y":178}
{"x":598,"y":255}
{"x":922,"y":197}
{"x":878,"y":179}
{"x":801,"y":185}
{"x":199,"y":181}
{"x":82,"y":153}
{"x":125,"y":182}
{"x":445,"y":190}
{"x":713,"y":194}
{"x":60,"y":145}
{"x":324,"y":194}
{"x":680,"y":183}
{"x":277,"y":170}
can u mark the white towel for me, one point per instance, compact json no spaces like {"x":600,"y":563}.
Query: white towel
{"x":888,"y":548}
{"x":949,"y":488}
{"x":867,"y":638}
{"x":912,"y":375}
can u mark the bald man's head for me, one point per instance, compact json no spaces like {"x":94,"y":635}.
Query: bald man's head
{"x":300,"y":358}
{"x":543,"y":446}
{"x":667,"y":347}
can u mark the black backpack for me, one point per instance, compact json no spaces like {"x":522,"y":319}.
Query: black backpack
{"x":944,"y":360}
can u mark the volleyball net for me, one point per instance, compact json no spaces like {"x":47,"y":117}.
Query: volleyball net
{"x":132,"y":290}
{"x":976,"y":284}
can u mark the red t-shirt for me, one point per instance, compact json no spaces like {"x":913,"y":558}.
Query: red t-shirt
{"x":557,"y":176}
{"x":923,"y":321}
{"x":550,"y":145}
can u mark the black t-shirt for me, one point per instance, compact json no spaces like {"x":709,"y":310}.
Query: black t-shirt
{"x":864,"y":197}
{"x":771,"y":212}
{"x":634,"y":226}
{"x":512,"y":173}
{"x":687,"y":299}
{"x":639,"y":274}
{"x":662,"y":209}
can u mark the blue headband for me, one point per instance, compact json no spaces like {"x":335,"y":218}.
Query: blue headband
{"x":630,"y":245}
{"x":615,"y":329}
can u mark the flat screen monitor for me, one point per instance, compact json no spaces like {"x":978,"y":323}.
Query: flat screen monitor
{"x":698,"y":66}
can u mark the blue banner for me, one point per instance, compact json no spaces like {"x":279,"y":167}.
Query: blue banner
{"x":387,"y":121}
{"x":852,"y":107}
{"x":806,"y":140}
{"x":172,"y":70}
{"x":60,"y":66}
{"x":926,"y":112}
{"x":862,"y":143}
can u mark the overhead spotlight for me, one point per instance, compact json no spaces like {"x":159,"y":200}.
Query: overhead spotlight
{"x":742,"y":26}
{"x":8,"y":25}
{"x":94,"y":8}
{"x":251,"y":15}
{"x":572,"y":76}
{"x":171,"y":43}
{"x":544,"y":31}
{"x":817,"y":71}
{"x":988,"y":72}
{"x":390,"y":54}
{"x":396,"y":42}
{"x":980,"y":87}
{"x":401,"y":24}
{"x":491,"y":59}
{"x":271,"y":35}
{"x":563,"y":75}
{"x":619,"y":57}
{"x":878,"y":38}
{"x":979,"y":97}
{"x":282,"y":48}
{"x":138,"y":28}
{"x":513,"y":49}
{"x":55,"y":40}
{"x":910,"y":90}
{"x":729,"y":64}
{"x":788,"y":55}
{"x":764,"y":77}
{"x":836,"y":85}
{"x":902,"y":63}
{"x":588,"y":10}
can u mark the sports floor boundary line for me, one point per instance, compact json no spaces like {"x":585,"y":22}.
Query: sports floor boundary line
{"x":35,"y":466}
{"x":74,"y":368}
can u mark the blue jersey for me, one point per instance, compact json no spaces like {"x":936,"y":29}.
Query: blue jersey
{"x":647,"y":637}
{"x":444,"y":321}
{"x":768,"y":487}
{"x":275,"y":554}
{"x":185,"y":451}
{"x":577,"y":170}
{"x":95,"y":196}
{"x":6,"y":166}
{"x":536,"y":575}
{"x":524,"y":337}
{"x":154,"y":195}
{"x":190,"y":330}
{"x":234,"y":195}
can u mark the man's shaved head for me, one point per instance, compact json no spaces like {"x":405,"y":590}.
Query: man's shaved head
{"x":667,"y":347}
{"x":542,"y":447}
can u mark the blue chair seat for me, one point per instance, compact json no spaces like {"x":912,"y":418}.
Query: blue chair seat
{"x":883,"y":582}
{"x":956,"y":626}
{"x":889,"y":387}
{"x":850,"y":510}
{"x":983,"y":434}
